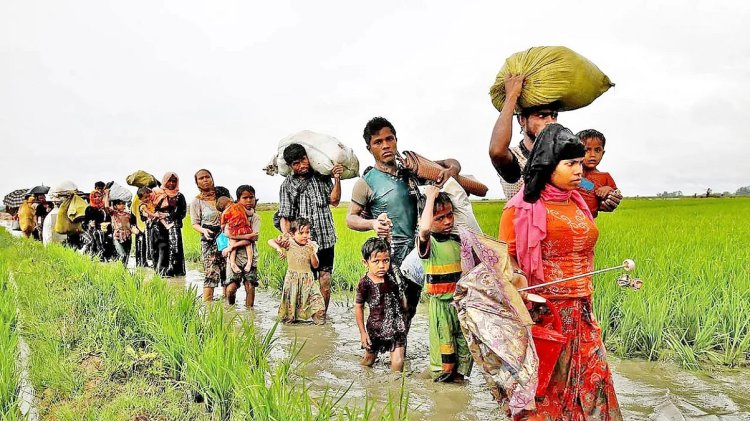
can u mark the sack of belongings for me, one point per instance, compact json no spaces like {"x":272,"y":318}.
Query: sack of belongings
{"x":118,"y":192}
{"x":72,"y":207}
{"x":141,"y":178}
{"x":553,"y":75}
{"x":323,"y":152}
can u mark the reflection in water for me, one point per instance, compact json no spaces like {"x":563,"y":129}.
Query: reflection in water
{"x":646,"y":390}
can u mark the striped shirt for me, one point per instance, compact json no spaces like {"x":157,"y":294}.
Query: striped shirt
{"x":312,"y":204}
{"x":442,"y":265}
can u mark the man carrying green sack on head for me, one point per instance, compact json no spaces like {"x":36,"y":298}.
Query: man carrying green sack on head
{"x":510,"y":161}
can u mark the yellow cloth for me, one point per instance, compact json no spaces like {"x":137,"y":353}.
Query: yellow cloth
{"x":135,"y":209}
{"x":26,"y":216}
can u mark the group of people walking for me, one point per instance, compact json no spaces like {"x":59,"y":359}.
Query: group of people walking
{"x":555,"y":190}
{"x":421,"y":245}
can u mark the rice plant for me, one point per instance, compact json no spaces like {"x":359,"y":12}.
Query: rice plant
{"x":691,"y":253}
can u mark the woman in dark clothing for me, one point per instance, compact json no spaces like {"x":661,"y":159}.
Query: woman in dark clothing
{"x":173,"y":203}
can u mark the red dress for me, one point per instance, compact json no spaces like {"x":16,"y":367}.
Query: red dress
{"x":600,"y":179}
{"x":235,"y":217}
{"x":581,"y":387}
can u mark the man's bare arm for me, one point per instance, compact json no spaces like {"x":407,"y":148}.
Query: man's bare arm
{"x":499,"y":150}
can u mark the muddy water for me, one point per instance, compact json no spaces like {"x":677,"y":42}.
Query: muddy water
{"x":646,"y":390}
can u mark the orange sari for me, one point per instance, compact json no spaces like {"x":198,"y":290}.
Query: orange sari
{"x":581,"y":387}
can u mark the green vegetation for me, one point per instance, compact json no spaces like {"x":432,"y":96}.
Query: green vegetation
{"x":691,"y":253}
{"x":108,"y":344}
{"x":9,"y":374}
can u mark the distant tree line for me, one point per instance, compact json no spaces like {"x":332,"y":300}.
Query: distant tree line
{"x":677,"y":193}
{"x":742,"y":191}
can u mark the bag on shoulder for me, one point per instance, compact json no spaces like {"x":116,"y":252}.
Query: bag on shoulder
{"x":63,"y":224}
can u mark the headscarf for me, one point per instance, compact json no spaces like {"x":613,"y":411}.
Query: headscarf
{"x":554,"y":144}
{"x":176,"y":190}
{"x":208,"y":195}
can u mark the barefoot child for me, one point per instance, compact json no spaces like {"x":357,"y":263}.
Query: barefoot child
{"x":234,"y":223}
{"x":596,"y":185}
{"x":440,"y":251}
{"x":300,"y":298}
{"x":249,"y":279}
{"x":386,"y":326}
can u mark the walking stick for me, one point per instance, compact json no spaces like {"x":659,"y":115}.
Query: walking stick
{"x":624,"y":281}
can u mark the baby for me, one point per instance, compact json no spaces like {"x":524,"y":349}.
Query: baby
{"x":234,"y":223}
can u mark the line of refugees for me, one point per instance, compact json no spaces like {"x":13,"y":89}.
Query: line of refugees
{"x":105,"y":227}
{"x":428,"y":239}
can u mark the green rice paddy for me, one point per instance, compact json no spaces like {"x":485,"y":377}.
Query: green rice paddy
{"x":692,"y":254}
{"x":109,"y":344}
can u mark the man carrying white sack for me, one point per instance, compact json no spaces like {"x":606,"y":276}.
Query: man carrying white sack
{"x":307,"y":194}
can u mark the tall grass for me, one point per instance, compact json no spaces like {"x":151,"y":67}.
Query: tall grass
{"x":9,"y":352}
{"x":691,"y":253}
{"x":108,"y":344}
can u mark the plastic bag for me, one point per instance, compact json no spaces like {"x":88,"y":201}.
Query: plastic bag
{"x":553,"y":74}
{"x":323,"y":152}
{"x":222,"y":242}
{"x":141,"y":178}
{"x":119,"y":192}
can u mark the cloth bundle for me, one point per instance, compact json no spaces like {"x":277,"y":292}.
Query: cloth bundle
{"x":323,"y":152}
{"x":554,"y":75}
{"x":495,"y":322}
{"x":141,"y":178}
{"x":424,"y":168}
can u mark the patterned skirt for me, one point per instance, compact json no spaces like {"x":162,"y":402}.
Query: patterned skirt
{"x":301,"y":299}
{"x":581,"y":386}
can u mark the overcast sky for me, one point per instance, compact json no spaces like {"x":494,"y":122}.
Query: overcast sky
{"x":93,"y":89}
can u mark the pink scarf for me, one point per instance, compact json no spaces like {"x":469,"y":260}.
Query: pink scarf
{"x":170,"y":193}
{"x":530,"y":224}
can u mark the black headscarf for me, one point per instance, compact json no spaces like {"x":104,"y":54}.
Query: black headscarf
{"x":553,"y":144}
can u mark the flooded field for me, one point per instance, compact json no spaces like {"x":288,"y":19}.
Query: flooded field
{"x":646,"y":390}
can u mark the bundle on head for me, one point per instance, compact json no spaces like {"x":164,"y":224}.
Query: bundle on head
{"x":552,"y":75}
{"x":424,"y":168}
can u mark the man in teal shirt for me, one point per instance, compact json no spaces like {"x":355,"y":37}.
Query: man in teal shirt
{"x":390,"y":189}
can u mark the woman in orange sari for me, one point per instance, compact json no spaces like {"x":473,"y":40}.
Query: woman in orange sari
{"x":551,"y":235}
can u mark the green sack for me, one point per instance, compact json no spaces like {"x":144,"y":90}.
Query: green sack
{"x":63,"y":225}
{"x":77,"y":208}
{"x":141,"y":178}
{"x":553,"y":74}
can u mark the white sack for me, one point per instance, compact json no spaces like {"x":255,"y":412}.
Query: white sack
{"x":62,"y":189}
{"x":48,"y":233}
{"x":119,"y":192}
{"x":323,"y":152}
